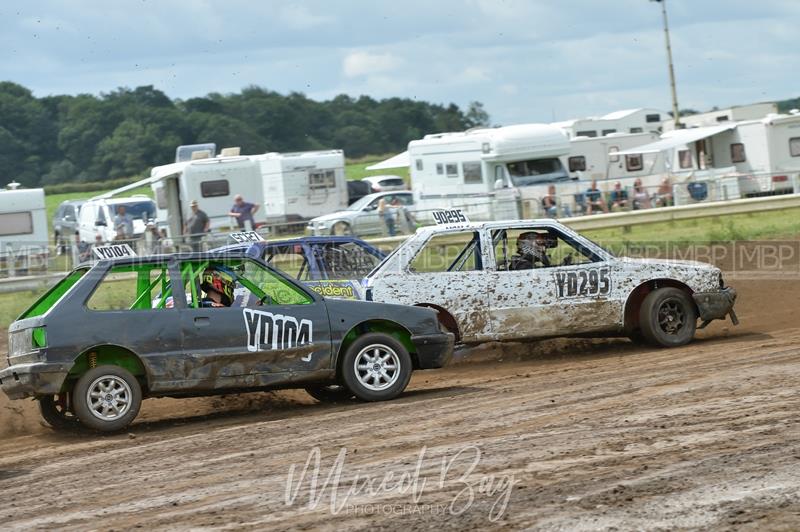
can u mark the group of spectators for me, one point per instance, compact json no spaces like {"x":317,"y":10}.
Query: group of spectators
{"x":593,"y":200}
{"x":198,"y":223}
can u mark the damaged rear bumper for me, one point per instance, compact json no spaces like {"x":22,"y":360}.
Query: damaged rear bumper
{"x":716,"y":305}
{"x":28,"y":380}
{"x":433,"y":350}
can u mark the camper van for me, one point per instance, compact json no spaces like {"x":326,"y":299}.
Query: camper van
{"x":487,"y":172}
{"x":287,"y":186}
{"x":23,"y":225}
{"x":596,"y":157}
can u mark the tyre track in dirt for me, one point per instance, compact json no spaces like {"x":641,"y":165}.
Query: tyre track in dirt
{"x":596,"y":434}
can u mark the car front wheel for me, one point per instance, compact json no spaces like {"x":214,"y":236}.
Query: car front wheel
{"x":668,"y":317}
{"x":341,"y":229}
{"x":376,"y":367}
{"x":107,"y":398}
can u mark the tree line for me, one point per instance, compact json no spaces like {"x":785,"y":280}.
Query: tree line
{"x":121,"y":134}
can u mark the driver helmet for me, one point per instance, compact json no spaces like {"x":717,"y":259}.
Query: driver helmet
{"x":219,"y":281}
{"x":530,"y":243}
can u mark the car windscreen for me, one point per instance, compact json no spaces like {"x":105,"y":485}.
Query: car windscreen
{"x":144,"y":210}
{"x":345,"y":260}
{"x":536,"y":171}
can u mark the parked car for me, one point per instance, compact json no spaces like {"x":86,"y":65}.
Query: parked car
{"x":97,"y":217}
{"x":385,"y":183}
{"x":241,"y":325}
{"x":361,"y":218}
{"x":65,"y":223}
{"x":332,"y":266}
{"x":537,"y":278}
{"x":357,"y":189}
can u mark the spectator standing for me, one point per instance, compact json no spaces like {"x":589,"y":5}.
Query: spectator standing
{"x":243,"y":211}
{"x":405,"y":221}
{"x":123,"y":224}
{"x":594,"y":199}
{"x":619,"y":197}
{"x":197,"y":225}
{"x":387,"y":214}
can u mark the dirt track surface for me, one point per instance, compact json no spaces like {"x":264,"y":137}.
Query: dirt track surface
{"x":587,"y":434}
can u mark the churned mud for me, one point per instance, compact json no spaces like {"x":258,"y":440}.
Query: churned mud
{"x":561,"y":435}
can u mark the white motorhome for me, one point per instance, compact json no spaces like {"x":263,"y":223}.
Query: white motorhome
{"x":23,"y":224}
{"x":303,"y":185}
{"x":643,"y":120}
{"x":287,"y":186}
{"x":486,"y":172}
{"x":597,"y":157}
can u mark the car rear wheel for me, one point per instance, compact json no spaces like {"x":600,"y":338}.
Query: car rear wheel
{"x":332,"y":393}
{"x":668,"y":317}
{"x":341,"y":229}
{"x":376,"y":367}
{"x":56,"y":413}
{"x":107,"y":398}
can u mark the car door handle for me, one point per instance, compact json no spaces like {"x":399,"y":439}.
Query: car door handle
{"x":202,"y":321}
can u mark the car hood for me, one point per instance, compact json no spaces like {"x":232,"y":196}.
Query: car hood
{"x":333,"y":216}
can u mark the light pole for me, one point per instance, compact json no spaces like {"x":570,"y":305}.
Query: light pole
{"x":675,"y":113}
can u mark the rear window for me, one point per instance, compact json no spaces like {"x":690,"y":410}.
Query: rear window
{"x":392,"y":182}
{"x":54,"y":295}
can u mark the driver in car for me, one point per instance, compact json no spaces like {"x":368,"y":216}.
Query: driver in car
{"x":218,"y":286}
{"x":531,"y":252}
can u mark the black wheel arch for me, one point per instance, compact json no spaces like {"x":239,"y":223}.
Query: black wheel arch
{"x":636,"y":298}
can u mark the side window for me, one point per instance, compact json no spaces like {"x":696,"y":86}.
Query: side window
{"x":419,"y":164}
{"x":794,"y":146}
{"x":101,"y":215}
{"x":472,"y":173}
{"x":634,"y":162}
{"x":611,"y":157}
{"x":536,"y":247}
{"x":345,"y":261}
{"x":685,"y":159}
{"x":452,"y":169}
{"x":608,"y":131}
{"x":250,"y":285}
{"x":291,"y":260}
{"x":577,"y":163}
{"x":137,"y":287}
{"x":439,"y":169}
{"x":737,"y":152}
{"x":587,"y":133}
{"x":449,"y":252}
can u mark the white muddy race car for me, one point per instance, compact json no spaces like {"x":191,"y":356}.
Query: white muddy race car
{"x":531,"y":279}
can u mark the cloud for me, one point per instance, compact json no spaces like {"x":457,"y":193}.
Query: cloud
{"x":362,"y":63}
{"x":300,"y":17}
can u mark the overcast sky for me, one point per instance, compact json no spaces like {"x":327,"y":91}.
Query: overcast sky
{"x":527,"y":61}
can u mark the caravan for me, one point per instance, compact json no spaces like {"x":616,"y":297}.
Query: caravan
{"x":288,"y":187}
{"x":487,"y":172}
{"x":23,"y":225}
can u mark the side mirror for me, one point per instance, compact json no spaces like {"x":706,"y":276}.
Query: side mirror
{"x":499,"y":184}
{"x":369,"y":208}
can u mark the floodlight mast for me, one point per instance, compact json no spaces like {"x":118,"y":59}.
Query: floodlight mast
{"x":675,"y":113}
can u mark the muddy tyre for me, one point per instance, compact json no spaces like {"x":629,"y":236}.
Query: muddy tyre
{"x":56,"y":413}
{"x":332,"y":393}
{"x":668,"y":317}
{"x":107,"y":398}
{"x":376,"y":367}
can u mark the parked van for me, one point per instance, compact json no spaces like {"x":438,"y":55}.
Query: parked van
{"x":98,"y":214}
{"x":23,"y":225}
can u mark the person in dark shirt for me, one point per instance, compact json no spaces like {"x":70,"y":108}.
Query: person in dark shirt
{"x":594,"y":199}
{"x":196,"y":226}
{"x":619,"y":197}
{"x":243,"y":211}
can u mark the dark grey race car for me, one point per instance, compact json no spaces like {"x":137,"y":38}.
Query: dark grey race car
{"x":112,"y":333}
